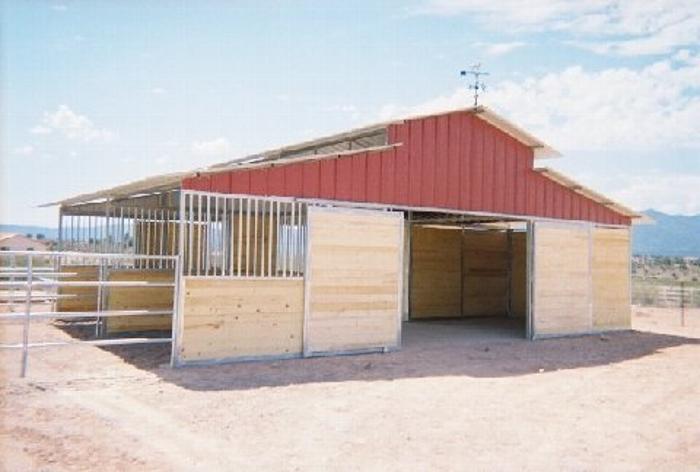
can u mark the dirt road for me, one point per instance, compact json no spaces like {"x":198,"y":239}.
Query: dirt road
{"x":627,"y":401}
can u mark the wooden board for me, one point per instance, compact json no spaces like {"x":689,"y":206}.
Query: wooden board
{"x":228,"y":319}
{"x":611,"y":282}
{"x":485,"y":275}
{"x":518,"y":275}
{"x":81,"y":298}
{"x":562,"y":279}
{"x":436,"y":275}
{"x":353,"y":280}
{"x":139,"y":298}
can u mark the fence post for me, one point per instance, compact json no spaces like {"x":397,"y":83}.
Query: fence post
{"x":13,"y":266}
{"x":100,"y":276}
{"x":27,"y":312}
{"x":683,"y":304}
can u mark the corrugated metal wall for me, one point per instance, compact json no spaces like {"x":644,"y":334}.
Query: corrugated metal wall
{"x":452,"y":161}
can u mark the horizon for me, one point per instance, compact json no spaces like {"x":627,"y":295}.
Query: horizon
{"x":103,"y":93}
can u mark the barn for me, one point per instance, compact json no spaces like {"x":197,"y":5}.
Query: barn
{"x":333,"y":245}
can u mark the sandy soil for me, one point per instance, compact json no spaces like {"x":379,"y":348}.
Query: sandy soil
{"x":452,"y":399}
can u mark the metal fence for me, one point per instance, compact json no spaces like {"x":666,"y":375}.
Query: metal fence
{"x":41,"y":277}
{"x":241,"y":236}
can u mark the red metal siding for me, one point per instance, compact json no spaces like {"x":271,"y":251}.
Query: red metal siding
{"x":453,"y":161}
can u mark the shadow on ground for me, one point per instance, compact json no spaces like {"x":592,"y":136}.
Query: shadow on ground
{"x":430,"y":351}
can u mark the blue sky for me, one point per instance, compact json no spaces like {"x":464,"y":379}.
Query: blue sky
{"x":99,"y":93}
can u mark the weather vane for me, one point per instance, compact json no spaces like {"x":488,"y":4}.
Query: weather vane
{"x":476,"y":72}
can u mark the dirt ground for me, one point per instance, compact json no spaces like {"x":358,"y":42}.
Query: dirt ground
{"x":452,"y":399}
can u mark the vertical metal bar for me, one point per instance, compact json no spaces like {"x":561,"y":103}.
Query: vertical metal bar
{"x":278,"y":224}
{"x":190,"y":232}
{"x":285,"y":241}
{"x":240,"y":235}
{"x":292,"y":240}
{"x":232,"y":238}
{"x":27,"y":312}
{"x":162,"y":238}
{"x":207,"y":240}
{"x":13,"y":265}
{"x":269,"y":238}
{"x":255,"y":238}
{"x":179,"y":269}
{"x":217,"y":222}
{"x":199,"y":232}
{"x":121,"y":244}
{"x":247,"y":237}
{"x":100,"y":293}
{"x":224,"y":235}
{"x":263,"y":213}
{"x":60,"y":229}
{"x":683,"y":304}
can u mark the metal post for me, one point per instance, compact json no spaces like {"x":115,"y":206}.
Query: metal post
{"x":683,"y":304}
{"x":100,"y":278}
{"x":27,"y":312}
{"x":13,"y":264}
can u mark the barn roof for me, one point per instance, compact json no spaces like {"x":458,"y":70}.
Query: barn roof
{"x":368,"y":138}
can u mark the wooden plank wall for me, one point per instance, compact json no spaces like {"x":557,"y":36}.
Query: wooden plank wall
{"x":241,"y":318}
{"x":485,"y":273}
{"x":458,"y":273}
{"x":518,"y":277}
{"x":562,"y":277}
{"x":353,"y":280}
{"x":436,"y":273}
{"x":139,"y":298}
{"x":81,"y":298}
{"x":611,"y":283}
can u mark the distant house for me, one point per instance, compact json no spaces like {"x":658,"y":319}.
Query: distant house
{"x":20,"y":242}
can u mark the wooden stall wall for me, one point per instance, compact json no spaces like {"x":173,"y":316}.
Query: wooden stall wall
{"x":436,"y":273}
{"x":611,"y":278}
{"x":353,"y":280}
{"x":236,"y":319}
{"x":485,"y":273}
{"x":518,"y":274}
{"x":78,"y":298}
{"x":139,"y":298}
{"x":562,"y":279}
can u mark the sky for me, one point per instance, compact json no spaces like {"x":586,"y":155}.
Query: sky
{"x":94,"y":94}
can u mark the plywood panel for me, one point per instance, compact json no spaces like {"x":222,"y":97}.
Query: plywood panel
{"x":484,"y":273}
{"x":435,"y":282}
{"x":139,"y":298}
{"x":611,"y":283}
{"x":562,"y":293}
{"x":353,"y":280}
{"x":241,"y":318}
{"x":79,"y":298}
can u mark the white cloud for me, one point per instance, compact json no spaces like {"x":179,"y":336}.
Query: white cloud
{"x":498,"y":49}
{"x":24,"y":150}
{"x":625,"y":27}
{"x":59,"y":7}
{"x":158,"y":91}
{"x":577,"y":109}
{"x":71,"y":125}
{"x":215,"y":147}
{"x":670,"y":193}
{"x":39,"y":129}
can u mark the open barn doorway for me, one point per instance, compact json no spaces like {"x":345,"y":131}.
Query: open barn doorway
{"x":466,"y":278}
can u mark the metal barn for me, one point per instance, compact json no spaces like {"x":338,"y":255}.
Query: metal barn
{"x":330,"y":246}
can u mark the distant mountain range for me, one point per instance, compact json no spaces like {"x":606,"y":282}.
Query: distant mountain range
{"x":670,"y":235}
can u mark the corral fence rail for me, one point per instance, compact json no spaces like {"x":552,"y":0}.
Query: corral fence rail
{"x":29,"y":279}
